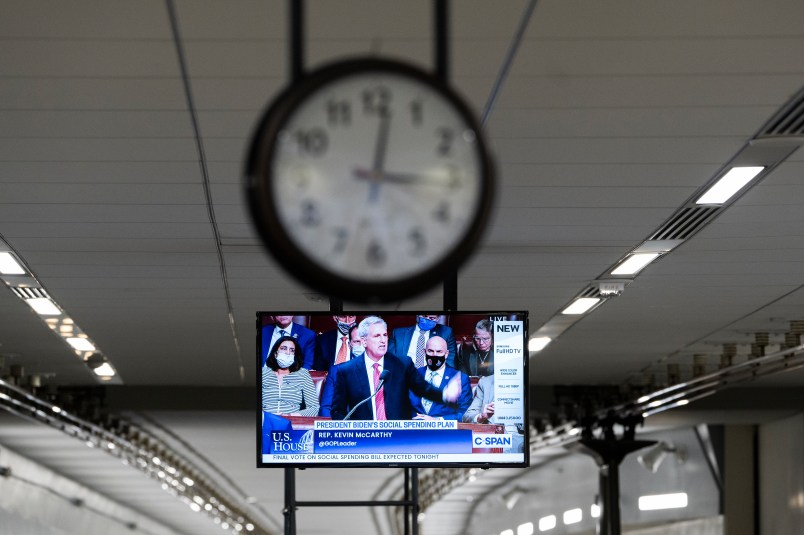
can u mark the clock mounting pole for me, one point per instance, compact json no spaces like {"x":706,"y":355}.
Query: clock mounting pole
{"x":441,"y":62}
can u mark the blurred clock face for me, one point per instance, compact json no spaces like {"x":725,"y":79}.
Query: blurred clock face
{"x":376,"y":175}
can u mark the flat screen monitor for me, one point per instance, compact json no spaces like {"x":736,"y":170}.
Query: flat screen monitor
{"x":406,"y":389}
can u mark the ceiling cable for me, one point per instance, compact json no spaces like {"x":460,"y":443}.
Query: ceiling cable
{"x":202,"y":160}
{"x":507,"y":61}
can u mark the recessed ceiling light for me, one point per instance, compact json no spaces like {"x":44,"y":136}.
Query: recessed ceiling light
{"x":634,"y":263}
{"x":663,"y":501}
{"x":729,"y":184}
{"x":547,"y":523}
{"x":9,"y":265}
{"x":104,"y":370}
{"x":573,"y":516}
{"x":581,"y":305}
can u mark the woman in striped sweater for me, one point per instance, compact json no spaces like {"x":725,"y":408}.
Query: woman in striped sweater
{"x":287,"y":388}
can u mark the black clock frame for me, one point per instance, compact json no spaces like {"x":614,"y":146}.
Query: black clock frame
{"x":259,"y":174}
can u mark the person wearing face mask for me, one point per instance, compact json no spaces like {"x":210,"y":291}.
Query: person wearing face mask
{"x":437,"y":373}
{"x":285,"y":326}
{"x":287,"y":387}
{"x":332,"y":347}
{"x":412,"y":341}
{"x":356,"y":349}
{"x":355,"y":342}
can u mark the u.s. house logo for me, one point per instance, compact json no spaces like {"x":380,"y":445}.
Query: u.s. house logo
{"x":292,"y":441}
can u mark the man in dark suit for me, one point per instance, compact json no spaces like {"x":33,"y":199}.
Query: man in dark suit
{"x":412,"y":340}
{"x":332,"y":347}
{"x":438,"y":374}
{"x":358,"y":381}
{"x":284,"y":326}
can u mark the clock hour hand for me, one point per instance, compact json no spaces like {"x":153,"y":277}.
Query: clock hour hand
{"x":403,"y":178}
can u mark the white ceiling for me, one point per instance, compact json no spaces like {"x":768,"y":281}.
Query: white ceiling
{"x":613,"y":115}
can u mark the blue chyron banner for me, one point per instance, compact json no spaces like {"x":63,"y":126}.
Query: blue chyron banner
{"x":371,"y":441}
{"x":384,"y":441}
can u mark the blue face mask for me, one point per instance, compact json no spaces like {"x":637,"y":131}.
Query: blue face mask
{"x":425,"y":324}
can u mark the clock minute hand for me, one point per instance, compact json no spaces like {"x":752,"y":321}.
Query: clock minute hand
{"x":380,"y":148}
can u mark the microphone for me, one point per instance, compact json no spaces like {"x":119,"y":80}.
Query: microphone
{"x":383,"y":376}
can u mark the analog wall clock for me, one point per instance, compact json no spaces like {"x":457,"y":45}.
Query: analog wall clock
{"x":369,"y":180}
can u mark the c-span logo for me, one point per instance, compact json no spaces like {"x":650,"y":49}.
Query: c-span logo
{"x":482,"y":440}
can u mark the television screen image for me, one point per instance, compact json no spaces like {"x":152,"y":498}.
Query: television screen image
{"x":409,"y":389}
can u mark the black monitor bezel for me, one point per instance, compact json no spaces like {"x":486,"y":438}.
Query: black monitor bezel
{"x":352,"y":464}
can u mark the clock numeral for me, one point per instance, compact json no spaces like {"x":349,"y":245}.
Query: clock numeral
{"x":339,"y":113}
{"x":376,"y":101}
{"x":310,"y":216}
{"x":300,"y":177}
{"x":376,"y":255}
{"x":312,"y":142}
{"x":418,"y":241}
{"x":445,"y":138}
{"x":341,"y":239}
{"x":416,"y":112}
{"x":442,"y":213}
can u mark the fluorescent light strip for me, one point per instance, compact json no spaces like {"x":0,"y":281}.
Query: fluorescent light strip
{"x":662,"y":501}
{"x":525,"y":529}
{"x":538,"y":343}
{"x":634,"y":263}
{"x":594,"y":511}
{"x":9,"y":265}
{"x":729,"y":184}
{"x":581,"y":305}
{"x":43,"y":306}
{"x":62,"y":325}
{"x":81,"y":344}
